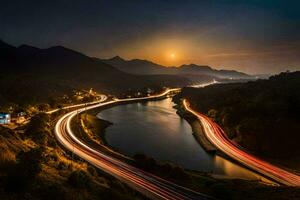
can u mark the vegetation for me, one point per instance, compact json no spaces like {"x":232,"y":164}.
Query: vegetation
{"x":33,"y":166}
{"x":226,"y":189}
{"x":165,"y":170}
{"x":79,"y":179}
{"x":91,"y":130}
{"x":26,"y":169}
{"x":198,"y":181}
{"x":261,"y":116}
{"x":94,"y":127}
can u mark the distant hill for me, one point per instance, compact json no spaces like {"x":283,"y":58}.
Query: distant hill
{"x":262,"y":116}
{"x":30,"y":73}
{"x":137,"y":66}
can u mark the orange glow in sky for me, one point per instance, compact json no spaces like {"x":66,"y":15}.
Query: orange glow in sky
{"x":175,"y":50}
{"x":173,"y":56}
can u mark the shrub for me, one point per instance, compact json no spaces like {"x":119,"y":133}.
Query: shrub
{"x":92,"y":170}
{"x":79,"y":179}
{"x":179,"y":173}
{"x":25,"y":171}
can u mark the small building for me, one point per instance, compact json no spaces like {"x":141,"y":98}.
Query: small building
{"x":19,"y":118}
{"x":5,"y":118}
{"x":149,"y":91}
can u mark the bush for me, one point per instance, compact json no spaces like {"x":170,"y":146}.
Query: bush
{"x":38,"y":129}
{"x":50,"y":192}
{"x":166,"y":168}
{"x":139,"y":157}
{"x":145,"y":162}
{"x":92,"y":170}
{"x":7,"y":159}
{"x":43,"y":107}
{"x":25,"y":171}
{"x":79,"y":179}
{"x":30,"y":162}
{"x":38,"y":123}
{"x":178,"y":173}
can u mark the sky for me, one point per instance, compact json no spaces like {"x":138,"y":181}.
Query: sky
{"x":253,"y":36}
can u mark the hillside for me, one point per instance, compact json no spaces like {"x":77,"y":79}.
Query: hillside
{"x":34,"y":166}
{"x":137,"y":66}
{"x":32,"y":74}
{"x":262,"y":116}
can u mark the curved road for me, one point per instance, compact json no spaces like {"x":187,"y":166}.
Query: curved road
{"x":148,"y":184}
{"x":102,"y":98}
{"x":217,"y":137}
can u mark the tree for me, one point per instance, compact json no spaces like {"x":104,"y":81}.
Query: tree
{"x":38,"y":127}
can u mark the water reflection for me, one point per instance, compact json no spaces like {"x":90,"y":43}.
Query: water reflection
{"x":231,"y":169}
{"x":155,"y":129}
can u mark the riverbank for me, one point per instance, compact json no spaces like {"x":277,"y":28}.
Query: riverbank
{"x":91,"y":130}
{"x":208,"y":146}
{"x":217,"y":186}
{"x":266,"y":127}
{"x":197,"y":129}
{"x":200,"y":137}
{"x":172,"y":137}
{"x":94,"y":127}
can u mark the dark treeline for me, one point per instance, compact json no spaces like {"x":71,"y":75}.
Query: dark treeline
{"x":262,"y":116}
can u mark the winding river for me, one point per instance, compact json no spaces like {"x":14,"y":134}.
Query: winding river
{"x":154,"y":128}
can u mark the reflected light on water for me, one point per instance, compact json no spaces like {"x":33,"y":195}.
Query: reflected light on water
{"x":233,"y":170}
{"x":155,"y":129}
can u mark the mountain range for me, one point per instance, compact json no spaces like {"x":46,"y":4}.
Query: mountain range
{"x":137,"y":66}
{"x":33,"y":74}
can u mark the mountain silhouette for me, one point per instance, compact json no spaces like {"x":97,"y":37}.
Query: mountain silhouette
{"x":55,"y":70}
{"x":137,"y":66}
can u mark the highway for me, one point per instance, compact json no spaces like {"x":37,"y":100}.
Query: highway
{"x":102,"y":98}
{"x":201,"y":85}
{"x":218,"y":138}
{"x":148,"y":184}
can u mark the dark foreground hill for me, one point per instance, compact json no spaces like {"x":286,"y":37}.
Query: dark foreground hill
{"x":262,"y":116}
{"x":34,"y":166}
{"x":32,"y":74}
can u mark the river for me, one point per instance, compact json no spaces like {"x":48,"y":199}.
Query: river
{"x":154,"y":128}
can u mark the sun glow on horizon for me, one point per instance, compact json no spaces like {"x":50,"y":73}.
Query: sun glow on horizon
{"x":173,"y":56}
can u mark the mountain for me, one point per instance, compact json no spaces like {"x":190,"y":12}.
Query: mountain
{"x":7,"y":53}
{"x":33,"y":74}
{"x":137,"y":66}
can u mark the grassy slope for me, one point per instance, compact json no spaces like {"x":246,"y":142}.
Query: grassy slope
{"x":59,"y":177}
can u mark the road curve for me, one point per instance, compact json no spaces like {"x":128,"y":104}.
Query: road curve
{"x":148,"y":184}
{"x":102,"y":98}
{"x":217,"y":137}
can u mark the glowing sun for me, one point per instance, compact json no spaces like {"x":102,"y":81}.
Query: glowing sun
{"x":173,"y":56}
